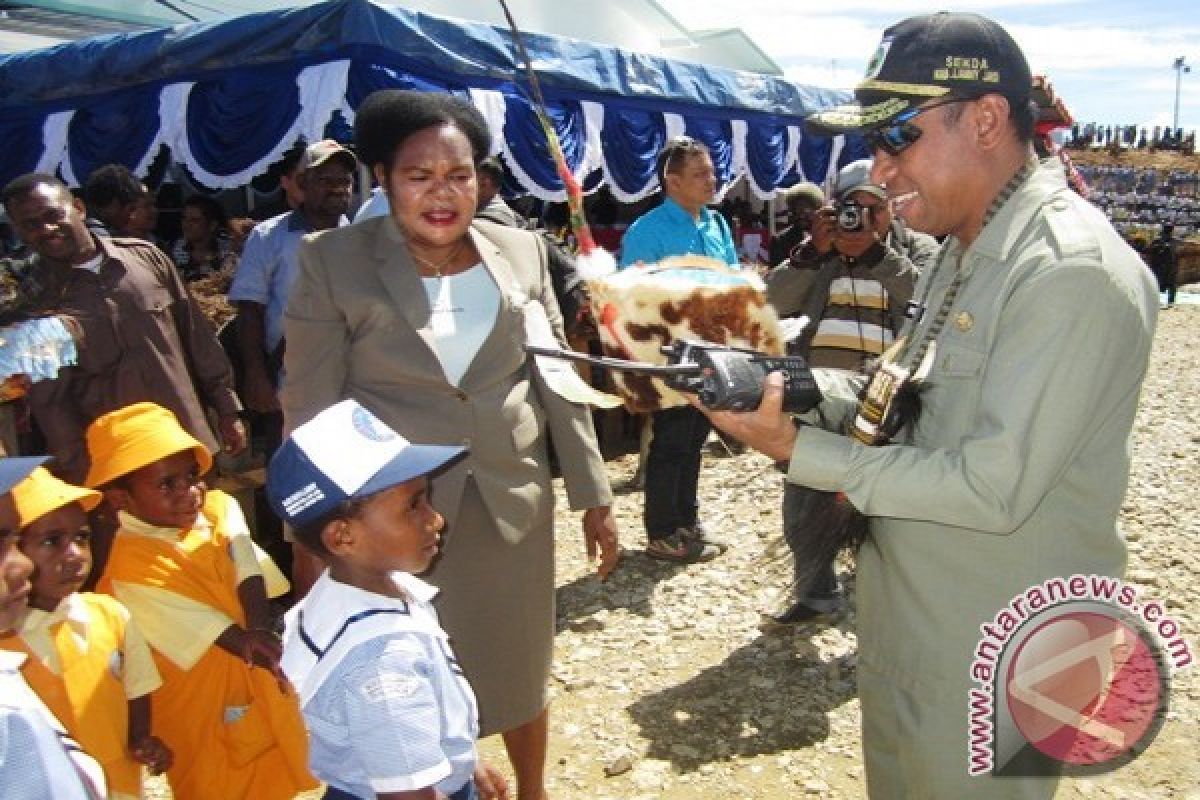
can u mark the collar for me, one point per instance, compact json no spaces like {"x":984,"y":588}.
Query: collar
{"x":70,"y":610}
{"x":677,"y":211}
{"x":342,"y":616}
{"x":39,"y":628}
{"x":334,"y":608}
{"x":92,"y":265}
{"x":1031,"y":185}
{"x":128,"y":523}
{"x":298,"y":223}
{"x":11,"y":661}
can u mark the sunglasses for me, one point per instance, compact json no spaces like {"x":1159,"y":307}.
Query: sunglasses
{"x":900,"y":134}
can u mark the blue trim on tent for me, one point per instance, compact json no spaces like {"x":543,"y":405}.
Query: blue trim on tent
{"x":479,"y":55}
{"x":226,"y":99}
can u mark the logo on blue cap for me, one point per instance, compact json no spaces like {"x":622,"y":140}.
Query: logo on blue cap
{"x":369,"y":426}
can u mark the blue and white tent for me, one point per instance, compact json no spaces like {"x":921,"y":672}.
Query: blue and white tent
{"x":227,"y":99}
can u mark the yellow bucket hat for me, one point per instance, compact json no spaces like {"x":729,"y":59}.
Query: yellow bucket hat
{"x":41,"y":493}
{"x":125,"y":440}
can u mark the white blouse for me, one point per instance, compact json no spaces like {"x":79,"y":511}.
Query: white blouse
{"x":463,"y":312}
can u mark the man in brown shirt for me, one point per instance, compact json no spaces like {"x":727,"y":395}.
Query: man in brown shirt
{"x":141,"y":335}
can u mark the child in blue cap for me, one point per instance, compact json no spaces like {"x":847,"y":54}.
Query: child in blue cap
{"x":388,"y":710}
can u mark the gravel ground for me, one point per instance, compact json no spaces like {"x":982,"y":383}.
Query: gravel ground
{"x":664,"y":686}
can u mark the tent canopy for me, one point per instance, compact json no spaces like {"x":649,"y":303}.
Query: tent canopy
{"x":228,"y":99}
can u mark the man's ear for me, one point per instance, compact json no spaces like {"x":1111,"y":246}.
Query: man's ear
{"x":338,"y":536}
{"x":991,"y":119}
{"x":670,"y":181}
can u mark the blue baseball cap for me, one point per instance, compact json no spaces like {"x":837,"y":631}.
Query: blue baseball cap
{"x":15,"y":470}
{"x":342,"y":453}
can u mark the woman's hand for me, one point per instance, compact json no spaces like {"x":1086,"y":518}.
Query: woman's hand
{"x":600,"y":533}
{"x":489,"y":783}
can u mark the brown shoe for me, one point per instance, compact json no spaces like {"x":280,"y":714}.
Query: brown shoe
{"x":681,"y":550}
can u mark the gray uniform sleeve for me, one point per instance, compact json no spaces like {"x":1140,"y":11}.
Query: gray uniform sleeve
{"x":1069,"y":349}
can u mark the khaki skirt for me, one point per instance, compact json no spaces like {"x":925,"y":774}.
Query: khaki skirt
{"x":497,"y":604}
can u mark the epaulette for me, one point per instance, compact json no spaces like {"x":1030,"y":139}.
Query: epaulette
{"x":1069,"y":233}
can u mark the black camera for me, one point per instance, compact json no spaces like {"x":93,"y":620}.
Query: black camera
{"x":731,"y":379}
{"x":724,"y":378}
{"x":851,"y":217}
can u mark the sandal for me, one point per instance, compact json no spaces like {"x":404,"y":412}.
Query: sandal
{"x":680,"y":550}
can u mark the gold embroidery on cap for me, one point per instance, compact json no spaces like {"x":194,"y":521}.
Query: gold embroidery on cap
{"x":964,"y":321}
{"x":903,"y":88}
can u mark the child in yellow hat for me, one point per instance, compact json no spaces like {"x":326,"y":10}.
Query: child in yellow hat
{"x":185,"y":566}
{"x":86,"y":659}
{"x":38,"y":758}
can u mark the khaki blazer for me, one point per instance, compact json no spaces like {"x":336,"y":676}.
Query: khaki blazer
{"x":358,"y":325}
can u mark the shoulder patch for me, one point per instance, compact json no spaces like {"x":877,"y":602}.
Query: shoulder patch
{"x":1069,"y":231}
{"x":390,"y":686}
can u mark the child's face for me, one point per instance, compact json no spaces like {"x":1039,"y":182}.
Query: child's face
{"x":60,"y":546}
{"x":397,"y":530}
{"x":167,"y":493}
{"x":15,"y":568}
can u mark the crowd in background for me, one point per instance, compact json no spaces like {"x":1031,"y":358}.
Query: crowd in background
{"x":1143,"y":198}
{"x":1093,"y":135}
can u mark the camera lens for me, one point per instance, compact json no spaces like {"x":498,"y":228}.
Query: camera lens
{"x":851,"y":217}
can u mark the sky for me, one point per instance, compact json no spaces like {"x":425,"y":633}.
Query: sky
{"x":1112,"y":62}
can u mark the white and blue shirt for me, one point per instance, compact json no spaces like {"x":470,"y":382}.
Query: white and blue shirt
{"x":385,"y":701}
{"x":268,"y":267}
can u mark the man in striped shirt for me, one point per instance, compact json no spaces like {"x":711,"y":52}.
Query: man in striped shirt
{"x":853,"y":281}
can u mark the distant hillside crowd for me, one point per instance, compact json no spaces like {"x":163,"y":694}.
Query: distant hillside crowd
{"x":1130,"y":137}
{"x":1140,"y":198}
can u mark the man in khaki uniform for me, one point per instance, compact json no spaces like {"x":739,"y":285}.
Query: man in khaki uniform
{"x":1041,"y":319}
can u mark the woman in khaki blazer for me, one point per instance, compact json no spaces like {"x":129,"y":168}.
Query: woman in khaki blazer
{"x":420,"y":316}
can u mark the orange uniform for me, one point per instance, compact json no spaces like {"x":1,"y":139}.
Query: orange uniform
{"x":86,"y":662}
{"x":234,"y":732}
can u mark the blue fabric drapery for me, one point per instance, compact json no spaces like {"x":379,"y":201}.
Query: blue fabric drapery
{"x":815,"y":155}
{"x":21,"y":143}
{"x":235,"y":94}
{"x":717,"y":136}
{"x":631,"y":139}
{"x":116,"y":129}
{"x":235,"y":119}
{"x":526,"y":143}
{"x":766,"y":152}
{"x":366,"y":77}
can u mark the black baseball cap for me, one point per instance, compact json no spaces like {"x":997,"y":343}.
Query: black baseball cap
{"x":931,"y":56}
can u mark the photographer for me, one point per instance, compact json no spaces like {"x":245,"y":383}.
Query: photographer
{"x":802,"y":201}
{"x":852,"y":277}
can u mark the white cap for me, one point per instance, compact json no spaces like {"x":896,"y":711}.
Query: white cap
{"x":344,"y":452}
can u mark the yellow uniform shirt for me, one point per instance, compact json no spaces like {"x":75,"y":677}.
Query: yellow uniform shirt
{"x":88,"y":660}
